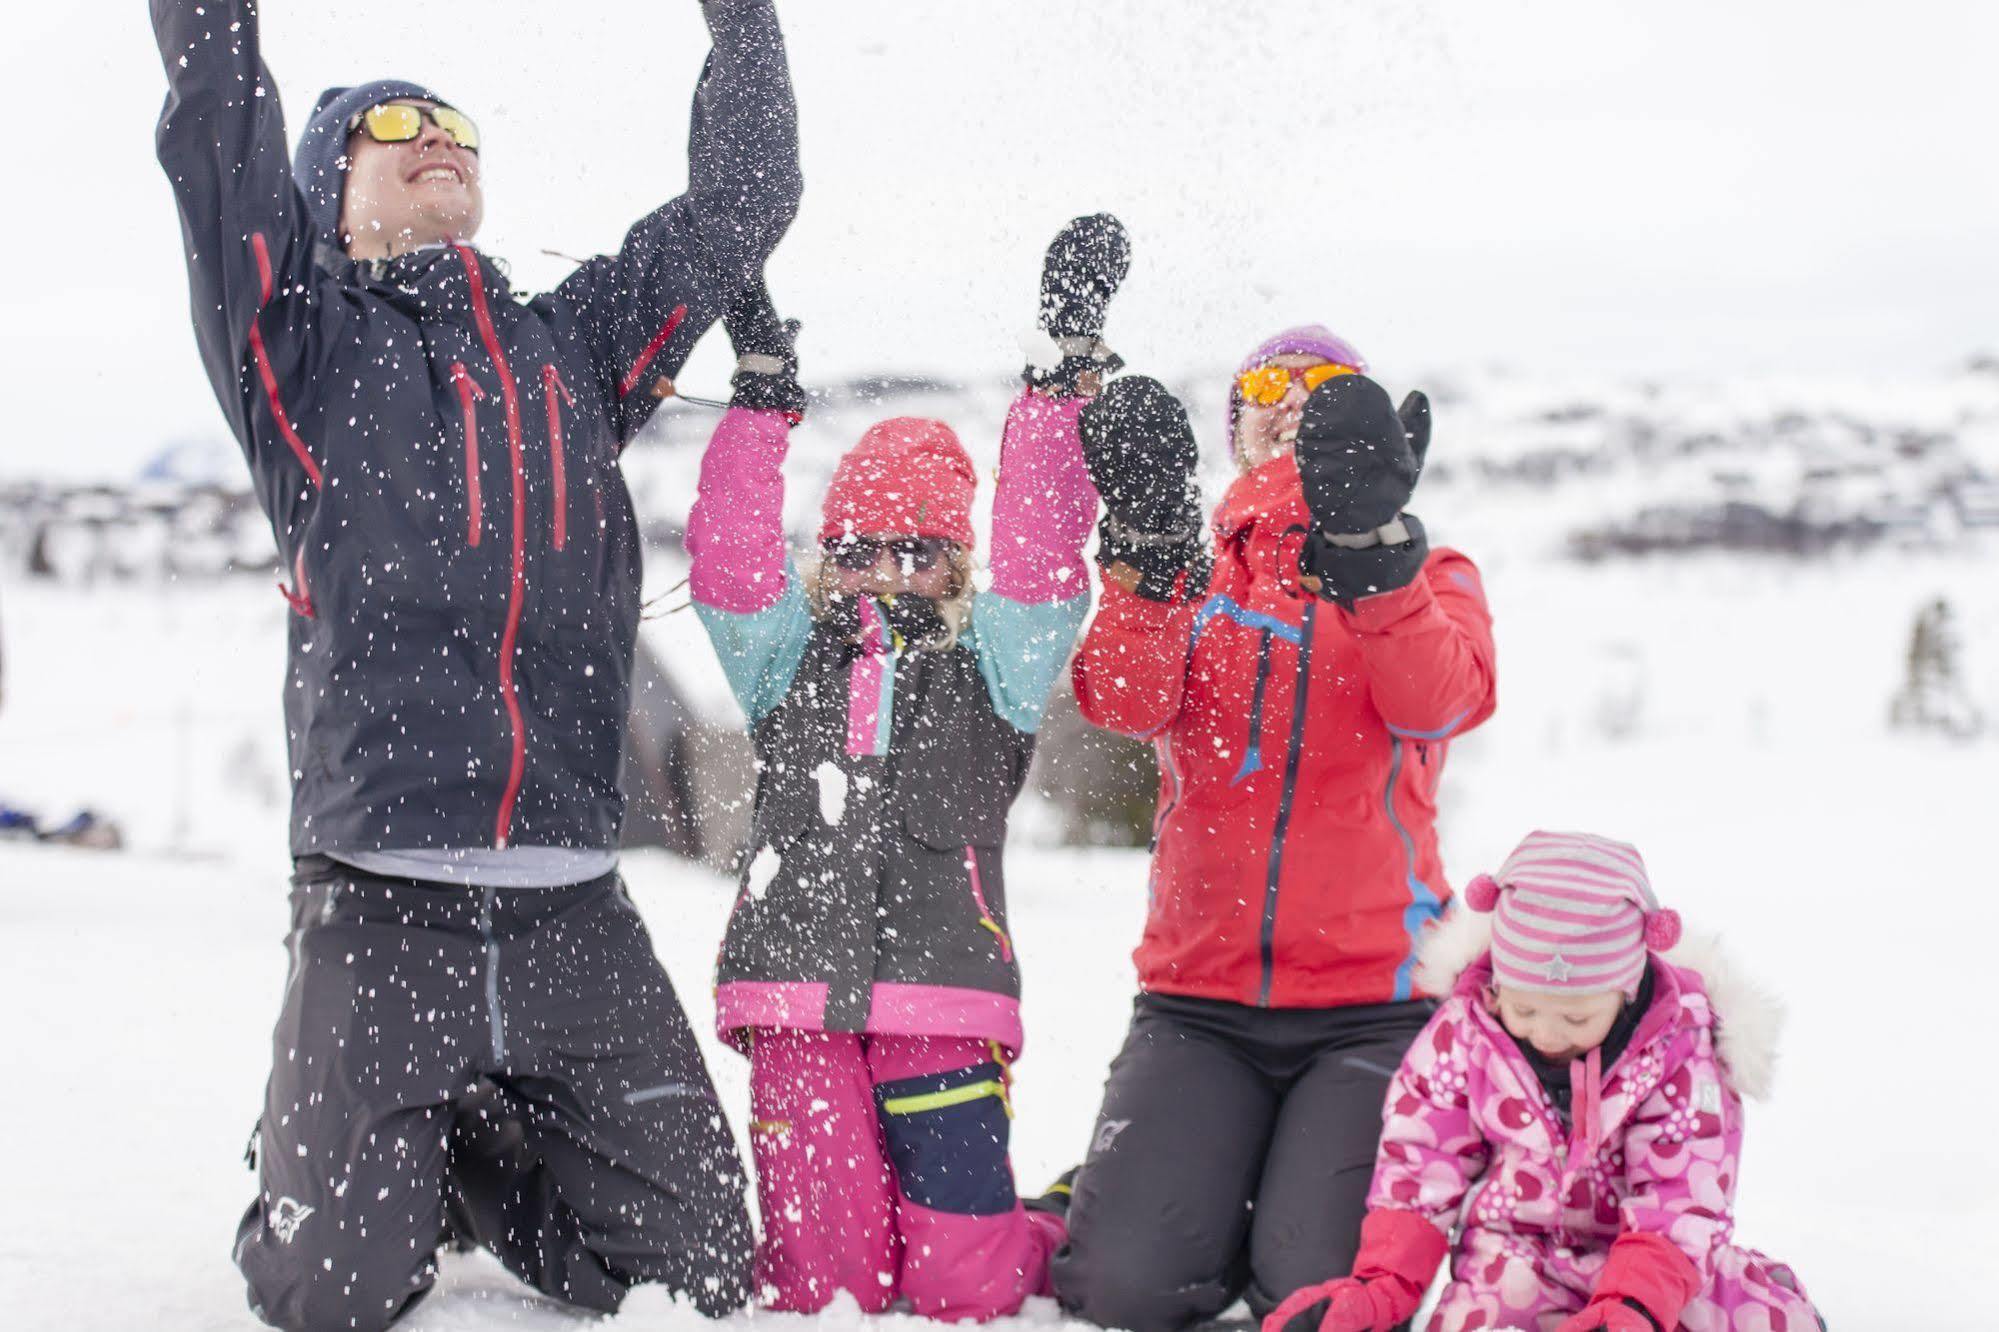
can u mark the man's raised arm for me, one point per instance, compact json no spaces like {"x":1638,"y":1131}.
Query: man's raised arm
{"x":249,"y":243}
{"x":682,"y":266}
{"x":743,"y":181}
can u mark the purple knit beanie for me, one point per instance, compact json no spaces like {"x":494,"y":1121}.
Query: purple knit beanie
{"x":1572,"y":914}
{"x":1304,"y":340}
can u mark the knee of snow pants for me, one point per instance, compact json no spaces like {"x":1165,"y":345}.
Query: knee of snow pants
{"x":882,"y":1170}
{"x":1305,"y":1227}
{"x":970,"y":1250}
{"x":320,"y":1290}
{"x":366,"y":1055}
{"x":1159,"y":1220}
{"x":634,"y":1175}
{"x":402,"y":997}
{"x":1137,"y":1299}
{"x":1751,"y":1289}
{"x":822,"y":1181}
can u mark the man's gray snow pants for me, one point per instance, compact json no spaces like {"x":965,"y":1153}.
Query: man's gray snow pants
{"x":405,"y":1002}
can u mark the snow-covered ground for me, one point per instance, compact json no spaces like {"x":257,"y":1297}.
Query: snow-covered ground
{"x":1726,"y":714}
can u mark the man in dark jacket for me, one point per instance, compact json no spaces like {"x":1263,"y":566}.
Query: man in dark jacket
{"x":439,"y":462}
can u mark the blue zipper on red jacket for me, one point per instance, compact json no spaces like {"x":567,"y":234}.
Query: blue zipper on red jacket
{"x":1424,"y":903}
{"x":1294,"y":751}
{"x":1252,"y":757}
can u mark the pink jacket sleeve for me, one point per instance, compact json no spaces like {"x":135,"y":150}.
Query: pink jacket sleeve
{"x":1429,"y":651}
{"x":1431,"y":1153}
{"x":1043,"y":504}
{"x":735,"y":534}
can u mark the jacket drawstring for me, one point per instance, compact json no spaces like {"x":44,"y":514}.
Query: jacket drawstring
{"x":300,"y":600}
{"x":1585,"y":1102}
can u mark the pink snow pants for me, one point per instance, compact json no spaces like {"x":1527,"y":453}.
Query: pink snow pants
{"x":882,"y":1171}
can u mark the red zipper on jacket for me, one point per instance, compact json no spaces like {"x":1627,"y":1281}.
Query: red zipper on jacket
{"x":468,"y":394}
{"x":652,"y":349}
{"x":517,"y":585}
{"x":551,"y":386}
{"x":258,"y":353}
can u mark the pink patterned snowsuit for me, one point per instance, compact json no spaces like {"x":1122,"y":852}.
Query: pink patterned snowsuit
{"x":1471,"y":1143}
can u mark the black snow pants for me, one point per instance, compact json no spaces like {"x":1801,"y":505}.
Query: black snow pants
{"x":406,"y":1002}
{"x":1232,"y":1157}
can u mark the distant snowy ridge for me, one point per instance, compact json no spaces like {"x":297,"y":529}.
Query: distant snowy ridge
{"x":1586,"y":467}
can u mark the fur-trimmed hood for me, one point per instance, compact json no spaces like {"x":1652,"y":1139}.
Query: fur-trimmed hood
{"x":1748,"y":1018}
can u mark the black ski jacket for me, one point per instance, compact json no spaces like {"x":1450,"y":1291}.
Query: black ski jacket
{"x":439,"y":460}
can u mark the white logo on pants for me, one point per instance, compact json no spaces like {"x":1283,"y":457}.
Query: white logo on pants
{"x":287,"y":1216}
{"x":1107,"y":1135}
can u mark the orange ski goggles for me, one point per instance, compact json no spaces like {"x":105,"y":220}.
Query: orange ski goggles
{"x":1267,"y":384}
{"x":401,"y":122}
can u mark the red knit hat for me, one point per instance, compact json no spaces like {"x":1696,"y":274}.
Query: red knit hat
{"x":908,"y":476}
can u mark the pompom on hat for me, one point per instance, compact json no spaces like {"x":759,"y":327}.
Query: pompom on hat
{"x":1572,"y":913}
{"x":907,"y":476}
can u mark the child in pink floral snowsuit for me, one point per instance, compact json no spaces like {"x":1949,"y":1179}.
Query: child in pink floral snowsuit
{"x":1572,"y":1116}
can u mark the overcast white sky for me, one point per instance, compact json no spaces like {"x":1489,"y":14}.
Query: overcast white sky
{"x":1632,"y":187}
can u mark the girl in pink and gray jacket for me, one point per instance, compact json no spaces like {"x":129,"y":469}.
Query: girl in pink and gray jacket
{"x":1567,"y":1128}
{"x":869,"y":971}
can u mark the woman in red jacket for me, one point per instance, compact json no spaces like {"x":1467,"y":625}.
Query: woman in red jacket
{"x":1301,"y":697}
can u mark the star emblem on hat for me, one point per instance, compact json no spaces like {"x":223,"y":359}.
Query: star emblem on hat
{"x":1559,"y":968}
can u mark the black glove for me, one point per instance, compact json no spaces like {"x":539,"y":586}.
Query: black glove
{"x":1140,"y":453}
{"x":1347,"y":574}
{"x":1085,"y":265}
{"x":766,"y":354}
{"x":1359,"y":460}
{"x":1358,"y":457}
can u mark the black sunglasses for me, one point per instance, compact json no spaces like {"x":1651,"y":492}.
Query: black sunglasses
{"x":913,"y":554}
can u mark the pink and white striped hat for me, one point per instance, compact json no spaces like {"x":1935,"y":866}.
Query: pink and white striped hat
{"x":1572,"y":913}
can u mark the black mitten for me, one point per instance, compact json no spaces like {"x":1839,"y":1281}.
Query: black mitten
{"x":1085,"y":265}
{"x":1347,"y":573}
{"x":915,"y":620}
{"x":1140,"y":453}
{"x":1359,"y":460}
{"x":766,"y":354}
